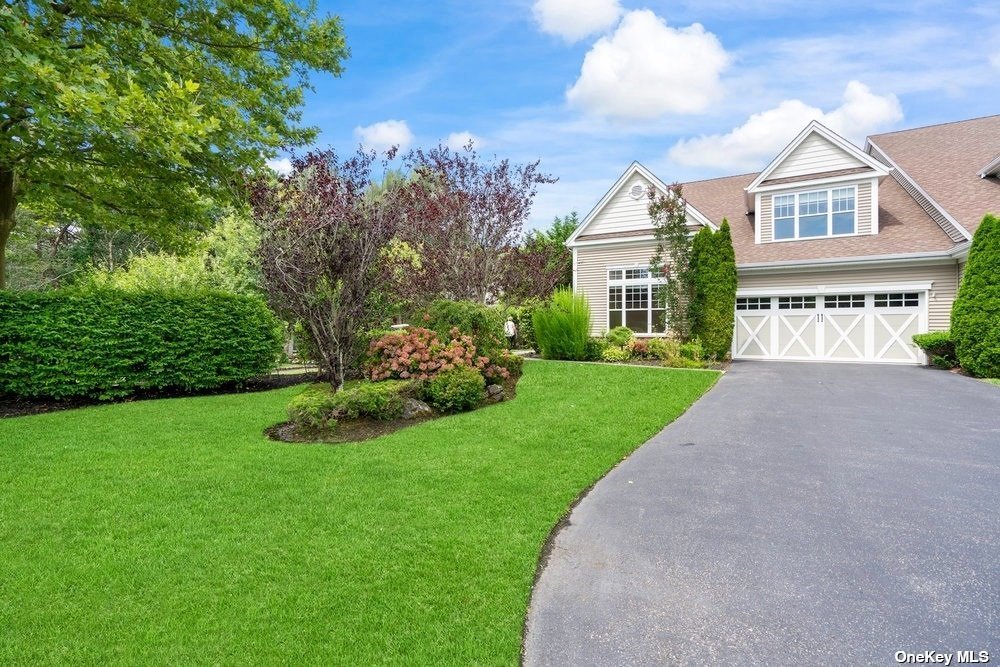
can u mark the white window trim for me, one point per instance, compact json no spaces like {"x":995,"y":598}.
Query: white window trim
{"x":631,"y":282}
{"x":829,"y":214}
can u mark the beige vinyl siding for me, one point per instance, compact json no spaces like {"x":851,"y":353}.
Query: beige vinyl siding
{"x":765,"y":219}
{"x":813,"y":156}
{"x":592,"y":263}
{"x":623,"y":212}
{"x":943,"y":279}
{"x":863,"y":206}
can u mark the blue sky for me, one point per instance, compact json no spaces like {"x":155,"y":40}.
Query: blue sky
{"x":691,"y":89}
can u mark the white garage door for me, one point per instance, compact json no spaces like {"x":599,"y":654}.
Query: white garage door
{"x":872,"y":327}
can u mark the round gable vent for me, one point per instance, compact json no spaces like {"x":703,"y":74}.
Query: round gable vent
{"x":636,"y":191}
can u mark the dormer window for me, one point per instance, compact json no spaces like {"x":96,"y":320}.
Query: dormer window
{"x":815,"y":214}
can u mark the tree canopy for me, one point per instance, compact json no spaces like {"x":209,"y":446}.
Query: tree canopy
{"x":145,"y":114}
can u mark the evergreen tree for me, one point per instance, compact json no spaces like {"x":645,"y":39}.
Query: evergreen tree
{"x":713,"y":269}
{"x":975,"y":317}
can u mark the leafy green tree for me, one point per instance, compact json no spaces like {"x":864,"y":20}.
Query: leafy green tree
{"x":713,"y":272}
{"x":225,"y":259}
{"x":144,"y":114}
{"x":672,"y":258}
{"x":551,"y":243}
{"x":975,"y":317}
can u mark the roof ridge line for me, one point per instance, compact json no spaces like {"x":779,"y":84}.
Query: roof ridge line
{"x":925,"y":127}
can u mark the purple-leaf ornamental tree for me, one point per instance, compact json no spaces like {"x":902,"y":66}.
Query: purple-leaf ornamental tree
{"x":324,"y":233}
{"x":479,"y":210}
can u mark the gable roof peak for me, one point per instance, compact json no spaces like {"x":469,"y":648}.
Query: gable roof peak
{"x":817,"y":128}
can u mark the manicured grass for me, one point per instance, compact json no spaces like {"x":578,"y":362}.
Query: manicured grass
{"x":173,"y":531}
{"x":995,"y":381}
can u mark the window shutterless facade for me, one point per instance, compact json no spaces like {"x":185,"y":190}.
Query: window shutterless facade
{"x":816,"y":214}
{"x":635,"y":300}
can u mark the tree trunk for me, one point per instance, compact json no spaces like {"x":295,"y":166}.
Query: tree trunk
{"x":8,"y":205}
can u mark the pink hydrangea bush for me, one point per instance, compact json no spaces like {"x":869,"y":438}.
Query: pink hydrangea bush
{"x":418,"y":353}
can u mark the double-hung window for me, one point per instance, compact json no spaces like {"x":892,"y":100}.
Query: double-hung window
{"x":816,"y":214}
{"x":635,"y":300}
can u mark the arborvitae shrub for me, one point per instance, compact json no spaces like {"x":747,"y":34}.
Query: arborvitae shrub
{"x":712,"y":310}
{"x":975,"y":317}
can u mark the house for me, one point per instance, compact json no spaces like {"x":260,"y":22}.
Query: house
{"x":842,"y":253}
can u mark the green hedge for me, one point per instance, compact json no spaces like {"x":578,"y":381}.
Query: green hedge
{"x":975,"y":317}
{"x":939,"y":346}
{"x":107,"y":343}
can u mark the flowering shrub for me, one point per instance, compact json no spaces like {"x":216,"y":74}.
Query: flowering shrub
{"x":639,"y":347}
{"x":419,"y":353}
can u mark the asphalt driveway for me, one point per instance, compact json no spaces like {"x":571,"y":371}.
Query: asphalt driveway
{"x":797,"y":514}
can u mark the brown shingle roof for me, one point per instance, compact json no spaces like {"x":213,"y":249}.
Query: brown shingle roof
{"x":904,"y":227}
{"x":945,"y":161}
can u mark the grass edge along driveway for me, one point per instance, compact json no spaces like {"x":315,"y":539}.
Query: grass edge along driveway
{"x":172,"y":530}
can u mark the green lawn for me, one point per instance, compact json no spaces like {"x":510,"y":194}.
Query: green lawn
{"x":995,"y":381}
{"x":173,"y":531}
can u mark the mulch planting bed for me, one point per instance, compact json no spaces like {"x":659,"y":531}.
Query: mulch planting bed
{"x":354,"y":430}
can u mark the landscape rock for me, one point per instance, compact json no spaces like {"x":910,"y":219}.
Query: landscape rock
{"x":495,"y":393}
{"x":414,"y":409}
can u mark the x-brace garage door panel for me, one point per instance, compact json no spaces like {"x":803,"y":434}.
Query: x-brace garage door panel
{"x":858,"y":327}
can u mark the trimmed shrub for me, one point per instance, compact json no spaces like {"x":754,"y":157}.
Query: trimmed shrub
{"x":107,"y":343}
{"x":939,"y":347}
{"x":712,"y":308}
{"x":313,"y":408}
{"x":692,"y":350}
{"x":378,"y":400}
{"x":616,"y":354}
{"x":620,"y":336}
{"x":595,"y":347}
{"x":562,"y":326}
{"x":483,"y":323}
{"x":456,"y":390}
{"x":319,"y":407}
{"x":664,"y":348}
{"x":975,"y":317}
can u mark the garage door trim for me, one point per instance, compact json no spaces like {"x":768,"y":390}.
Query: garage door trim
{"x":867,"y":288}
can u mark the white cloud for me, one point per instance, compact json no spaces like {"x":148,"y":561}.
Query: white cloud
{"x":575,"y":19}
{"x":458,"y":140}
{"x":646,"y":69}
{"x":384,"y":135}
{"x":282,"y":166}
{"x":765,"y":134}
